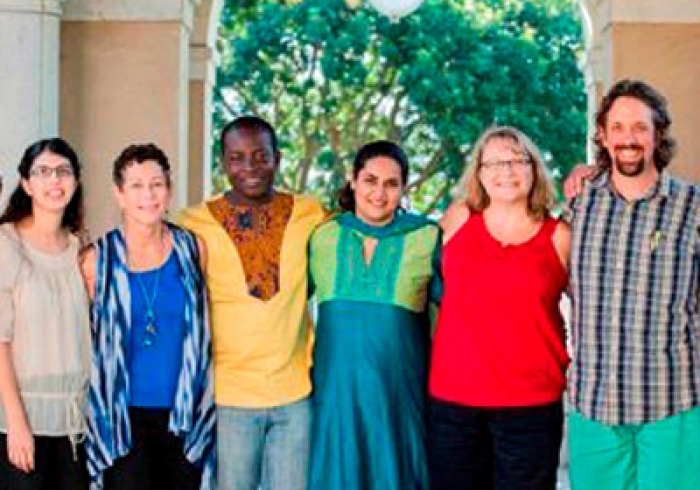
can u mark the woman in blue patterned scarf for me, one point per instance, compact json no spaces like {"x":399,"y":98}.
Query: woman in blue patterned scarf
{"x":150,"y":404}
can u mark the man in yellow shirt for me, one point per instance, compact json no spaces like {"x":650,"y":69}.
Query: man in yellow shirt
{"x":256,"y":238}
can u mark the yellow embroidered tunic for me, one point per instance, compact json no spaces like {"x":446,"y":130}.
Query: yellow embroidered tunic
{"x":257,"y":279}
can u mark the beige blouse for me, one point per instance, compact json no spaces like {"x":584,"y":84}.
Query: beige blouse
{"x":44,"y":315}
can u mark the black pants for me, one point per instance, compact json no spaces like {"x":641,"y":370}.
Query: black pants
{"x":502,"y":449}
{"x":156,"y":460}
{"x":54,"y":466}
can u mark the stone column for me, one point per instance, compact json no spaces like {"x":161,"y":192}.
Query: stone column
{"x":29,"y":57}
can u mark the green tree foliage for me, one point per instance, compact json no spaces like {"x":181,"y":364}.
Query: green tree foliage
{"x":330,"y":79}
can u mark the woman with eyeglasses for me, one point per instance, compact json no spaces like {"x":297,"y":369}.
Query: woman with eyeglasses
{"x":150,"y":403}
{"x":374,"y":268}
{"x":44,"y":332}
{"x":499,"y":355}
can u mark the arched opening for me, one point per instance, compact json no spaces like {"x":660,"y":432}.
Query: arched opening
{"x":201,"y":81}
{"x":606,"y":58}
{"x":592,"y":64}
{"x":204,"y":173}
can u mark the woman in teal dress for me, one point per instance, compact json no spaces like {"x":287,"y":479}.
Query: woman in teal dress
{"x":374,"y":269}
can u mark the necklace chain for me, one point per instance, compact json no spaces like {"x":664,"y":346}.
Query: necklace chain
{"x":150,"y":316}
{"x":150,"y":300}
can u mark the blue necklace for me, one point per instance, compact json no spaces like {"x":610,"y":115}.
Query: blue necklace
{"x":149,"y":337}
{"x":151,"y":330}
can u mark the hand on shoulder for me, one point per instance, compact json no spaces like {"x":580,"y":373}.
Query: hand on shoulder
{"x":453,"y":219}
{"x":577,"y":178}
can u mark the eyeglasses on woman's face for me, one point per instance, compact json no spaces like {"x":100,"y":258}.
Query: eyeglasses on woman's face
{"x":44,"y":172}
{"x":515,"y":164}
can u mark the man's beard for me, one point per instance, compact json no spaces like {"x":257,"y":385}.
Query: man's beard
{"x":629,"y":168}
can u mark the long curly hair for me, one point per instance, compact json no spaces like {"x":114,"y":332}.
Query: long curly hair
{"x":665,"y":145}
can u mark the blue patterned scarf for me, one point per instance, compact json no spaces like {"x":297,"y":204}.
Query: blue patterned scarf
{"x":192,"y":417}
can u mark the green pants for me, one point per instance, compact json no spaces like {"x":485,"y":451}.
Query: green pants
{"x":660,"y":455}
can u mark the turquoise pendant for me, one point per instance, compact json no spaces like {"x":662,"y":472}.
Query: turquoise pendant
{"x":149,"y":338}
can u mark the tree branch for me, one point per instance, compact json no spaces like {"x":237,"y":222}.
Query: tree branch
{"x":394,"y":113}
{"x":224,"y":103}
{"x":436,"y":200}
{"x":427,"y":172}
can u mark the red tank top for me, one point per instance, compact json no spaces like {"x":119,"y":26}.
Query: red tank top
{"x":500,"y":335}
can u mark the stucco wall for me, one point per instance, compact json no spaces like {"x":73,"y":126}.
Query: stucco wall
{"x":120,"y":84}
{"x":666,"y":56}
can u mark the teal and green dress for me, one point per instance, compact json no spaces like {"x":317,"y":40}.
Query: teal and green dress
{"x":371,"y":353}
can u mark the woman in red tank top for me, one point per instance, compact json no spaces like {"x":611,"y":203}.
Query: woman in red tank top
{"x":499,"y":355}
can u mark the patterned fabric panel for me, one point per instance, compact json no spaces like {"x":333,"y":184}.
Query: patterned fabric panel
{"x":257,"y":232}
{"x":398,"y":273}
{"x":417,"y":268}
{"x":367,"y":281}
{"x":323,"y":259}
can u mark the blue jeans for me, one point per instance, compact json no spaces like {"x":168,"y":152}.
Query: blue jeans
{"x":266,"y":448}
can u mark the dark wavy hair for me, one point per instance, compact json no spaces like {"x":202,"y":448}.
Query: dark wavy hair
{"x":251,"y":123}
{"x":380,"y":148}
{"x":652,"y":98}
{"x":20,"y":205}
{"x":133,"y":154}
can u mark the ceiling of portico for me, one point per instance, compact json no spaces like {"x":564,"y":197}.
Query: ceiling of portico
{"x":142,"y":10}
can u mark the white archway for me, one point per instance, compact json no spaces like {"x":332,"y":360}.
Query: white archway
{"x":202,"y":75}
{"x":594,"y":68}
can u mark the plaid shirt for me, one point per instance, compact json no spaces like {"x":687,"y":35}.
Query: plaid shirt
{"x":635,"y":271}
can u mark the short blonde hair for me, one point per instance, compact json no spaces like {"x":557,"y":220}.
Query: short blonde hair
{"x":469,"y":190}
